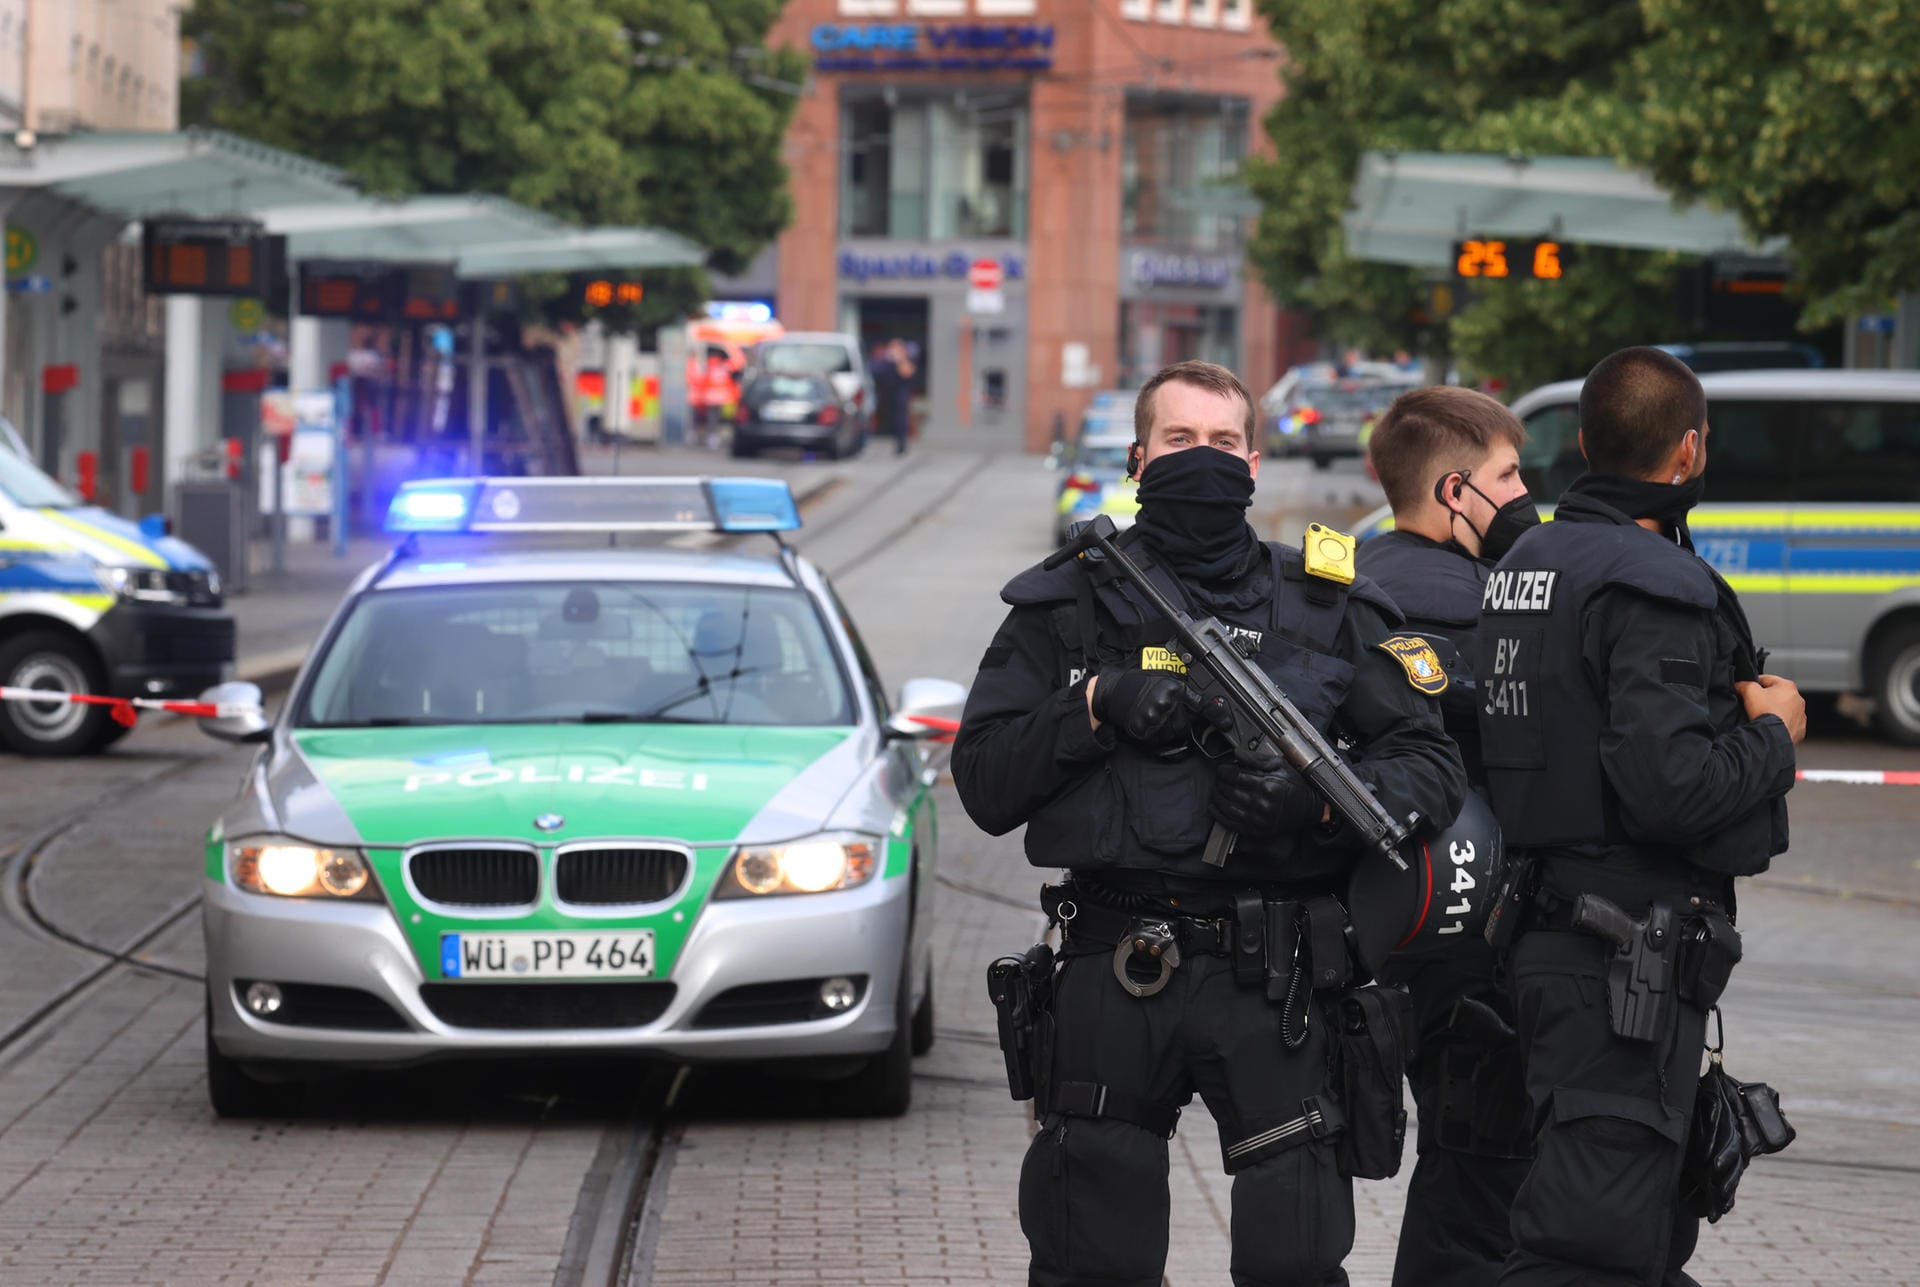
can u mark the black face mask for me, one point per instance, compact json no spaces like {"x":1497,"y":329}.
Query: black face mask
{"x":1193,"y":512}
{"x":1665,"y":503}
{"x":1509,"y":521}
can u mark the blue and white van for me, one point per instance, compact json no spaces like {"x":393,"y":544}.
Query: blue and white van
{"x":92,"y":603}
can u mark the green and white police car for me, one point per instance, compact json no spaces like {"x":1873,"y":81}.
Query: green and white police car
{"x":539,"y":795}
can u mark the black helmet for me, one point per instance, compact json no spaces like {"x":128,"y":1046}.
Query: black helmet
{"x":1452,"y":879}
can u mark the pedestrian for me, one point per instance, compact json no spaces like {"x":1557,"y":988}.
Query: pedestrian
{"x":886,"y":391}
{"x":1449,"y":461}
{"x":1080,"y":725}
{"x":905,"y":354}
{"x":1639,"y":758}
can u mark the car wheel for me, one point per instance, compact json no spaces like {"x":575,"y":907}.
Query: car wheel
{"x":1896,"y":684}
{"x":1322,"y":462}
{"x":57,"y":664}
{"x":884,"y":1087}
{"x":743,"y":451}
{"x":234,"y":1092}
{"x":923,"y":1018}
{"x":830,"y":449}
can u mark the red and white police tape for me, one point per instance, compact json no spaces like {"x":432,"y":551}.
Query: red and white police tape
{"x":1862,"y":777}
{"x":126,"y":710}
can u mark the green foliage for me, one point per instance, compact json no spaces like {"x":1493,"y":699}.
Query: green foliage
{"x":1544,"y":77}
{"x":1804,"y":117}
{"x":667,"y":113}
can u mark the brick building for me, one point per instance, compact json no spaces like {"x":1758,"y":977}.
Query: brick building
{"x":1082,"y":147}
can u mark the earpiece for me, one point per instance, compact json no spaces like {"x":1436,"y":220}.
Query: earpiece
{"x":1440,"y":487}
{"x":1133,"y":460}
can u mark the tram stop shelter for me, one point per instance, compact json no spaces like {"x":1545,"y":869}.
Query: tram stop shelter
{"x":65,"y":198}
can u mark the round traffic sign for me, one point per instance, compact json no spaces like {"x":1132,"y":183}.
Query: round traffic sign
{"x":22,"y":250}
{"x":984,"y":274}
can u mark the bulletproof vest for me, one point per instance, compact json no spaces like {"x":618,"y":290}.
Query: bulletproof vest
{"x":1146,"y":810}
{"x":1541,"y":712}
{"x":1438,"y":588}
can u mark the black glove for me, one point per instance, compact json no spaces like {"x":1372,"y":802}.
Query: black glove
{"x":1146,"y":706}
{"x":1262,"y":802}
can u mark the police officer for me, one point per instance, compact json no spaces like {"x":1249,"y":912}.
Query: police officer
{"x":1080,"y":725}
{"x":1449,"y":461}
{"x":1639,"y":756}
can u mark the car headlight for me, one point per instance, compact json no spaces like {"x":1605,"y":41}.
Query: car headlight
{"x":141,"y":585}
{"x":289,"y":869}
{"x":815,"y":865}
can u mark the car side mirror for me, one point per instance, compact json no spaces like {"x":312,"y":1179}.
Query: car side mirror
{"x":927,"y":709}
{"x":238,"y":714}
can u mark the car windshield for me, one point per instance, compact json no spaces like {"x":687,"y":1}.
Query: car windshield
{"x":1330,"y":400}
{"x":579,"y":652}
{"x":25,"y":485}
{"x":804,"y":359}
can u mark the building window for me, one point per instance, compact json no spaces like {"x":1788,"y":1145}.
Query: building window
{"x":937,"y":8}
{"x":935,"y":167}
{"x":1236,"y":14}
{"x":1153,"y":335}
{"x":1003,"y":8}
{"x":1138,"y":10}
{"x":1205,"y":13}
{"x":1174,"y":11}
{"x":1178,"y":166}
{"x":869,"y":8}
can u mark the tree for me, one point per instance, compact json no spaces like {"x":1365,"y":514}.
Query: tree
{"x":1804,"y":117}
{"x":1543,"y":78}
{"x":667,"y":113}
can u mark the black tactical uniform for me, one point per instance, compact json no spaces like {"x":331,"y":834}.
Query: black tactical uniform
{"x":1475,"y":1130}
{"x":1621,"y":760}
{"x":1131,"y":823}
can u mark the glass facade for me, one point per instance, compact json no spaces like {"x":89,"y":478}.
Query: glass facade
{"x":1179,"y":151}
{"x":934,"y":167}
{"x":1154,"y":334}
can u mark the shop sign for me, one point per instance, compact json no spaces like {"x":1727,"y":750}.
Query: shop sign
{"x":1150,"y":269}
{"x":916,"y":46}
{"x":953,"y":265}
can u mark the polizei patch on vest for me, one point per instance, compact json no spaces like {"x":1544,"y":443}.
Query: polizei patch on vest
{"x":1520,"y":590}
{"x":1417,"y":657}
{"x":1152,"y":658}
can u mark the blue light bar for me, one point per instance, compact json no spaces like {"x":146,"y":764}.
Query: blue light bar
{"x":752,"y":505}
{"x":593,"y":505}
{"x":438,"y":506}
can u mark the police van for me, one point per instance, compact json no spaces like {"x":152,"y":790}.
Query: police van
{"x":537,"y":793}
{"x":94,"y":604}
{"x":1812,"y":513}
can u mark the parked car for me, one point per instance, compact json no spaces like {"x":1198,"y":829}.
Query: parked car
{"x":1812,"y":513}
{"x":95,"y":605}
{"x":805,"y":411}
{"x":833,"y":354}
{"x":554,"y":796}
{"x":1093,"y":480}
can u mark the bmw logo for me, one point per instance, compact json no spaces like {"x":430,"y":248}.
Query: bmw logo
{"x":549,"y":822}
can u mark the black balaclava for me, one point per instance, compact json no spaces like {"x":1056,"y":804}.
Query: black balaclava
{"x":1193,"y":512}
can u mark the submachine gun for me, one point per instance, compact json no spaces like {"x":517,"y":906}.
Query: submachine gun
{"x":1262,"y":725}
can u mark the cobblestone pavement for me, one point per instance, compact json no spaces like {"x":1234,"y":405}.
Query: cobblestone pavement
{"x":112,"y":1169}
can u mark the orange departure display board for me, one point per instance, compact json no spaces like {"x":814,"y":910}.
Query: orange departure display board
{"x":379,"y":292}
{"x":210,"y":257}
{"x":1501,"y":259}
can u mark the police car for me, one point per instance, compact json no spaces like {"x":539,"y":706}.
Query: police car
{"x":96,"y":605}
{"x":540,"y":794}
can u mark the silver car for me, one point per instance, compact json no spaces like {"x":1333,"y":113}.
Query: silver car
{"x":527,"y":798}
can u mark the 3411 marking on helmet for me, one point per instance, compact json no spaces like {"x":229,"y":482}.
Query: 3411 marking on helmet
{"x":1507,"y":696}
{"x":1461,"y":853}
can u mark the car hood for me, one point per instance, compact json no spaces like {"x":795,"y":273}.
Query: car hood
{"x":696,"y":784}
